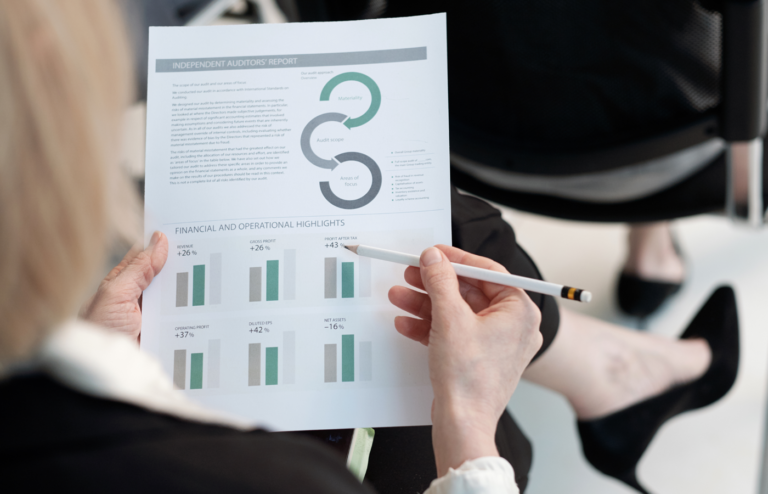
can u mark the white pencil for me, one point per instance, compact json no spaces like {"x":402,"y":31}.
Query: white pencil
{"x":529,"y":284}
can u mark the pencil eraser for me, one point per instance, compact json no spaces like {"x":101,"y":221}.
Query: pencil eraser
{"x":585,"y":296}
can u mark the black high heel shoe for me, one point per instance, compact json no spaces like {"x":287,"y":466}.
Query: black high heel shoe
{"x":640,"y":298}
{"x":615,"y":443}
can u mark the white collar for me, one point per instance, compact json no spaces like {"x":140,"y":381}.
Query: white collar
{"x":106,"y":365}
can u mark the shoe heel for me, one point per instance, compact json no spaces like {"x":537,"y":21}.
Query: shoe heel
{"x":630,"y":478}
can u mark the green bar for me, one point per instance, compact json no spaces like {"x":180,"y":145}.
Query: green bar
{"x":347,"y":279}
{"x":272,"y":277}
{"x":271,"y":363}
{"x":347,"y":357}
{"x":198,"y":285}
{"x":196,"y":375}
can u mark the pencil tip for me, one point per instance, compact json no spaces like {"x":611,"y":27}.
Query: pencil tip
{"x":353,"y":248}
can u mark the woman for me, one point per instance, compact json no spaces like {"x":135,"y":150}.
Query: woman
{"x":87,"y":410}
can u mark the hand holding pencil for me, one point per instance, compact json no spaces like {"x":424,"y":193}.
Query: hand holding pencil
{"x":480,"y":338}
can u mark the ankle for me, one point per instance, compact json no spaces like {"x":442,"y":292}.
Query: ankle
{"x":652,"y":254}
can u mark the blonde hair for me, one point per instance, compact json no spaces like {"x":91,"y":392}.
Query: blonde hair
{"x":64,"y":85}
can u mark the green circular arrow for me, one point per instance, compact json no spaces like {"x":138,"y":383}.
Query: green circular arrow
{"x":369,"y":83}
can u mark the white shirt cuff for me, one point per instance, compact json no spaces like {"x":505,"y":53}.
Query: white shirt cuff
{"x":489,"y":474}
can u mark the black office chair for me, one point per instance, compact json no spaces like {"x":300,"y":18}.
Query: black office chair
{"x":599,"y":110}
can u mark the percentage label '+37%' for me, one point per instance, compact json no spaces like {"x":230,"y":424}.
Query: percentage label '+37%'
{"x":185,"y":334}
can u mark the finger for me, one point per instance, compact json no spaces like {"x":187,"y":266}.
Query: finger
{"x":459,"y":256}
{"x":415,"y":329}
{"x":132,"y":253}
{"x":411,"y":301}
{"x":142,"y":269}
{"x":468,"y":288}
{"x":412,"y":276}
{"x":442,"y":285}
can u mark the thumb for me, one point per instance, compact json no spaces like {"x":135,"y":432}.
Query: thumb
{"x":142,"y":269}
{"x":440,"y":282}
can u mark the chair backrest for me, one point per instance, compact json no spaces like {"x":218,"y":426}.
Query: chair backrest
{"x":551,"y":87}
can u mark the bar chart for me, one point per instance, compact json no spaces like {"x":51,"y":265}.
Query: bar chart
{"x":199,"y":283}
{"x":264,"y":360}
{"x":197,"y":362}
{"x":347,"y":270}
{"x":364,"y":360}
{"x":265,"y":279}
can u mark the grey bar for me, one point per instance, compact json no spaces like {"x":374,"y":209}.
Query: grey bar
{"x":254,"y":293}
{"x":330,"y":277}
{"x":215,"y":287}
{"x":214,"y":362}
{"x":364,"y":267}
{"x":254,"y":364}
{"x":330,"y":363}
{"x":179,"y":368}
{"x":289,"y":274}
{"x":290,"y":61}
{"x":366,"y":361}
{"x":182,"y":289}
{"x":289,"y":357}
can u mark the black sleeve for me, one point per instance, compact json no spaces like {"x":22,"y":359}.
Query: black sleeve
{"x":57,"y":439}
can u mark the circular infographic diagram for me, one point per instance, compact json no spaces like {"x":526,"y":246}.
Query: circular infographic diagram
{"x":330,"y":164}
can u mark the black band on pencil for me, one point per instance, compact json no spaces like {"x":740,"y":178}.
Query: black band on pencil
{"x":571,"y":293}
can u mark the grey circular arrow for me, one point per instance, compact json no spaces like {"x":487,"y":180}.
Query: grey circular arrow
{"x":325,"y":187}
{"x":306,"y":134}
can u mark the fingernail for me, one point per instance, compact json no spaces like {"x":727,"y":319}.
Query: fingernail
{"x":154,"y":240}
{"x":430,"y":256}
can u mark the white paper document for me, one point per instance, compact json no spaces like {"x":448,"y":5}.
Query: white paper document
{"x":269,"y":147}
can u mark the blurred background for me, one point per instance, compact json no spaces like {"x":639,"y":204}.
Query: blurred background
{"x":714,"y":450}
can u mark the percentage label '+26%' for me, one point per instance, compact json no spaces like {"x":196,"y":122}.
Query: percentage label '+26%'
{"x":259,"y":247}
{"x":187,"y":252}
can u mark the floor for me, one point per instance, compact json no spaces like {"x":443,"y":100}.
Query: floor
{"x":714,"y":450}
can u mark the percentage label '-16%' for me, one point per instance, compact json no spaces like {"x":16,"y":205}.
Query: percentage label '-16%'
{"x":335,"y":326}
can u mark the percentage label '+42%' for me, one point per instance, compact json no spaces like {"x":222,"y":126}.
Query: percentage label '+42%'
{"x":258,"y":329}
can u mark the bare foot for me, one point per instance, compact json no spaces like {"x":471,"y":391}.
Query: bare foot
{"x":652,"y":254}
{"x":602,"y":368}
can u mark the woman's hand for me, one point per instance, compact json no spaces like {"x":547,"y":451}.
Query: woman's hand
{"x":117,"y":303}
{"x":481,"y":336}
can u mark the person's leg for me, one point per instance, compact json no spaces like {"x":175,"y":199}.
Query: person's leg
{"x":652,"y":255}
{"x":602,"y":368}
